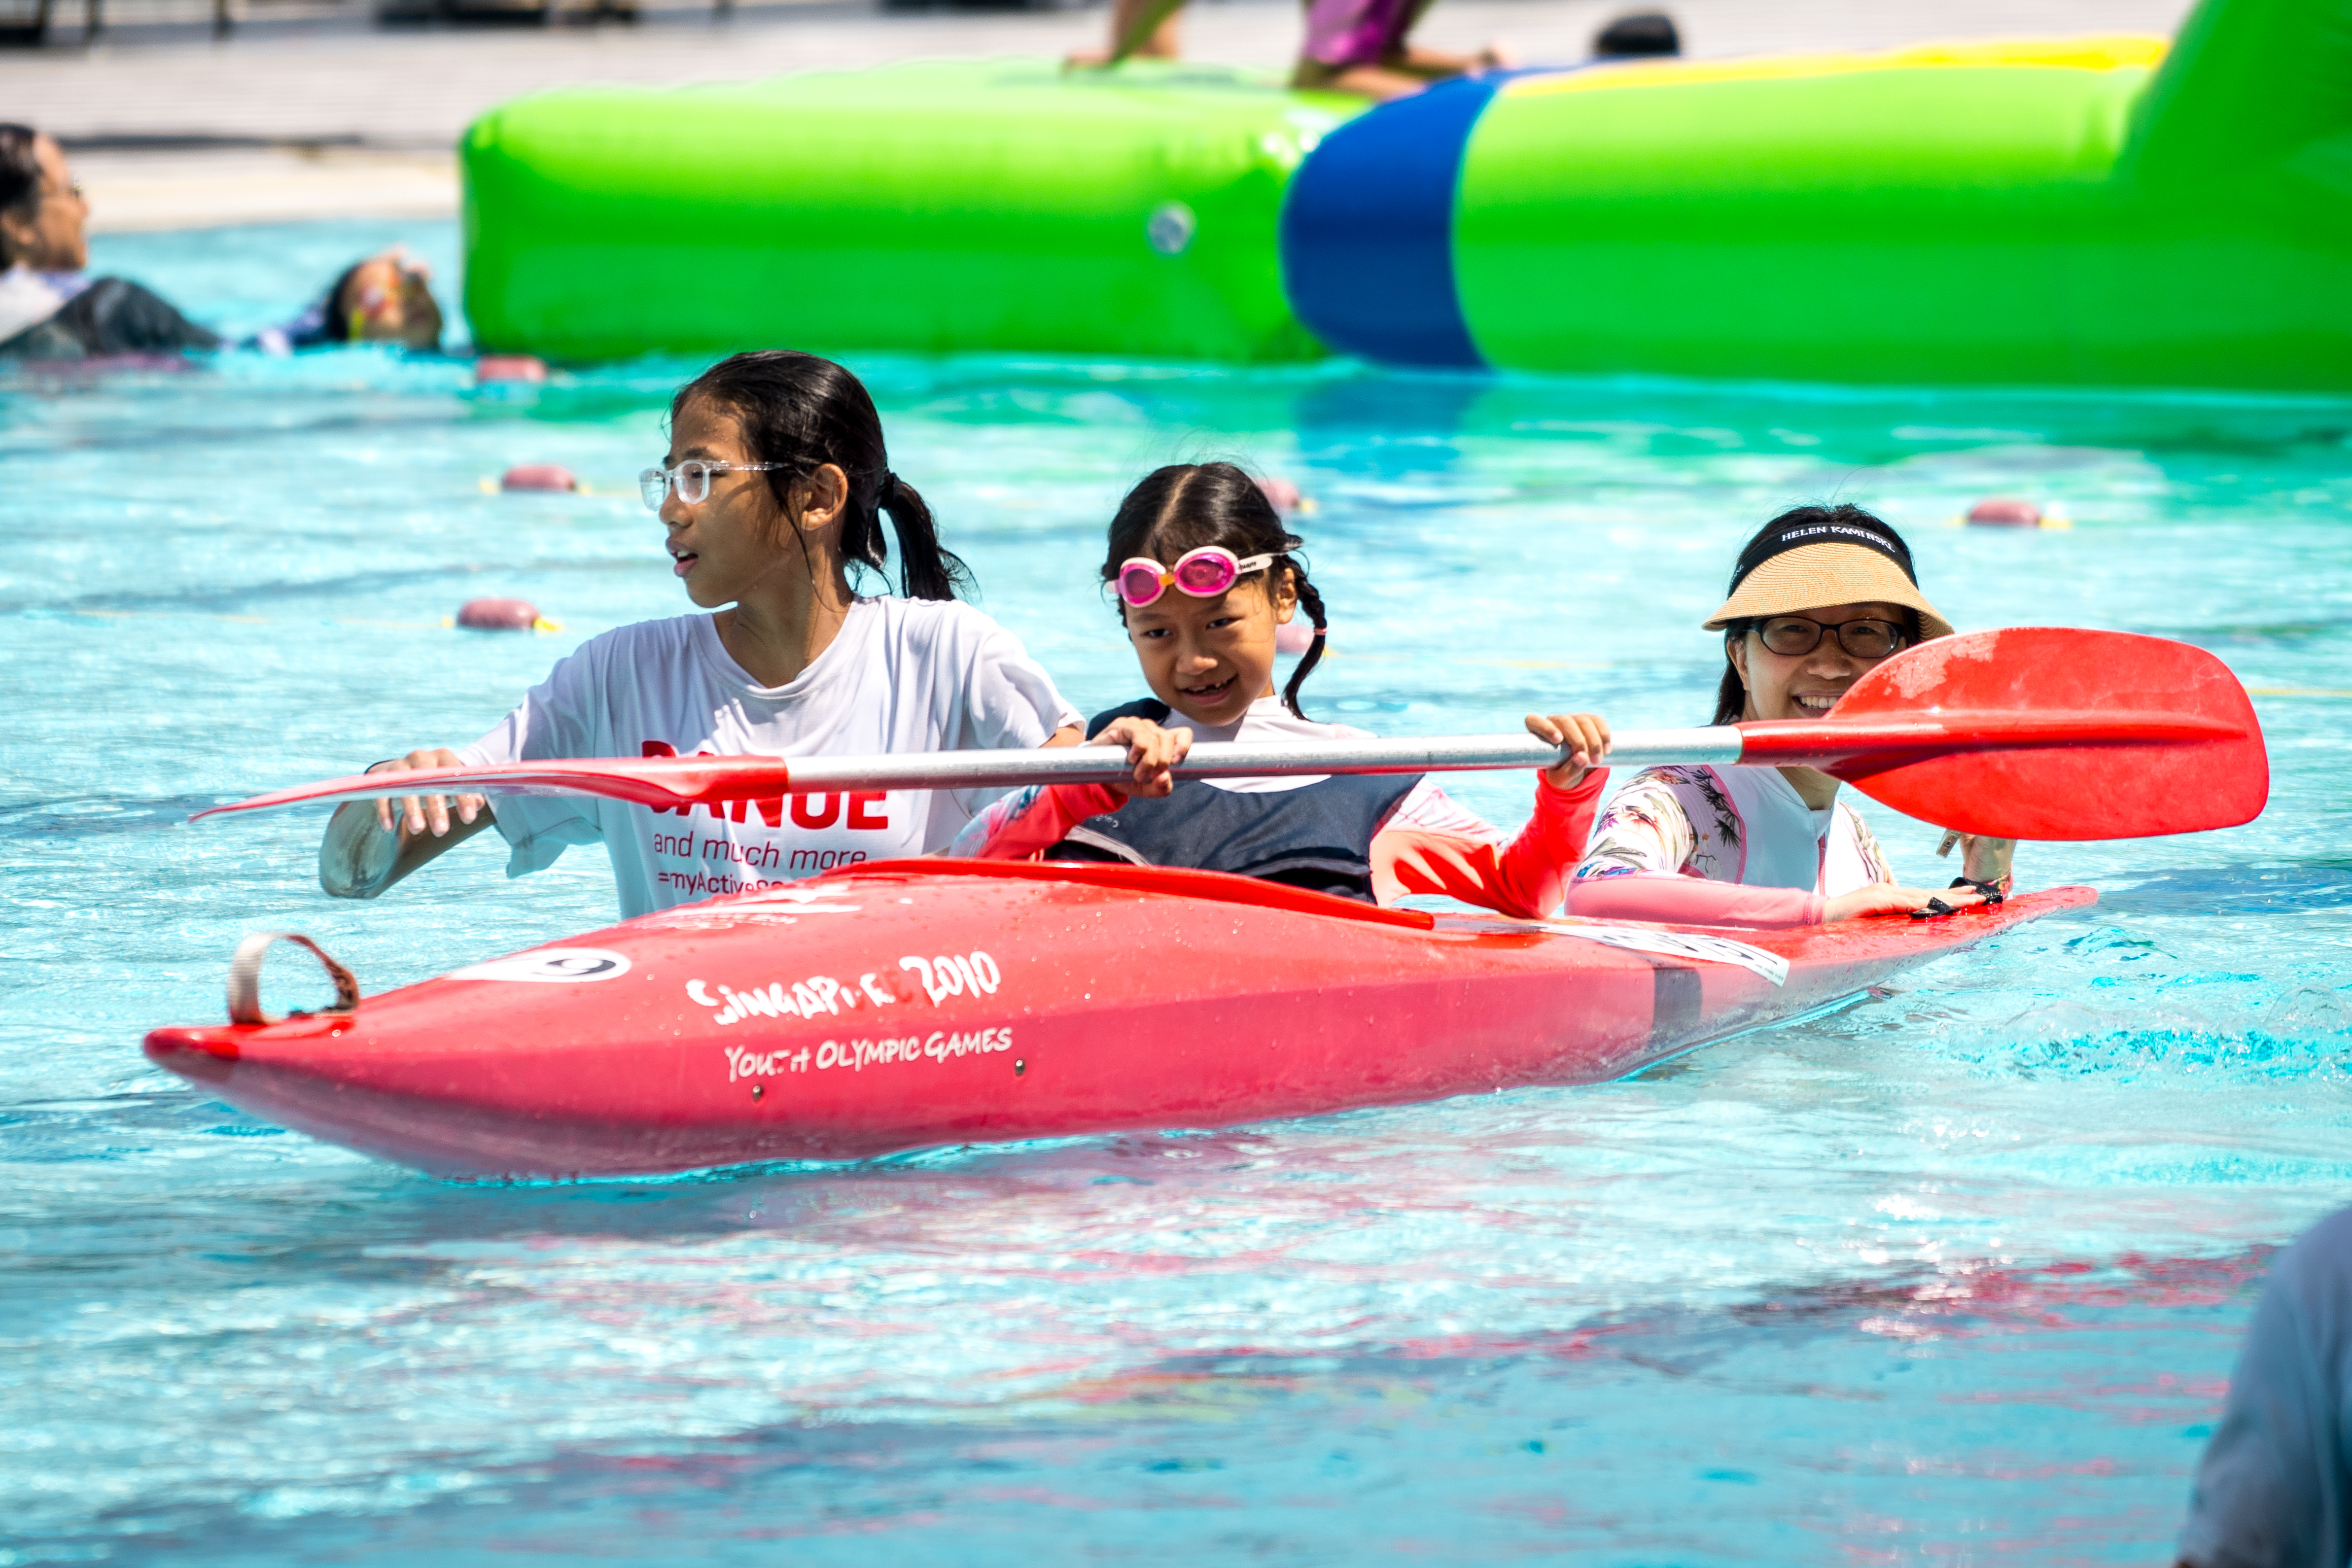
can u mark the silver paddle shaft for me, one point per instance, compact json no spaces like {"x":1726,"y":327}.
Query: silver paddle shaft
{"x":1250,"y":760}
{"x":667,"y":783}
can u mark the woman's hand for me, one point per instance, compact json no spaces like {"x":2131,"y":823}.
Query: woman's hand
{"x":1151,"y":752}
{"x":426,"y":813}
{"x":1885,"y":898}
{"x":1587,"y":733}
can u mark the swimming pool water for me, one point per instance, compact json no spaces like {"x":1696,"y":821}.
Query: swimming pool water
{"x":1955,"y":1274}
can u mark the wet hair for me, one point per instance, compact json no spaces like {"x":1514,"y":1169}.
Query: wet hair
{"x":1638,"y":33}
{"x":334,"y":321}
{"x":20,"y":173}
{"x":802,"y":412}
{"x":1731,"y":694}
{"x":1187,"y":505}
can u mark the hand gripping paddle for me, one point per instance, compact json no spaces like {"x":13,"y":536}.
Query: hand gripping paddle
{"x":2031,"y":733}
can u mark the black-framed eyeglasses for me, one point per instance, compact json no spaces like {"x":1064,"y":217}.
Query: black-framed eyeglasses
{"x":1792,"y":636}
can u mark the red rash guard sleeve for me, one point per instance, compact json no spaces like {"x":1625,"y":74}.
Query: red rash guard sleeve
{"x":1670,"y":898}
{"x":1524,"y":880}
{"x":1028,"y":822}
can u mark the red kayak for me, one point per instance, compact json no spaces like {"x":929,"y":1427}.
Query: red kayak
{"x":915,"y":1003}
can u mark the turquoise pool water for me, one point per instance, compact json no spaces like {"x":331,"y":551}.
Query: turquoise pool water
{"x":1954,"y":1275}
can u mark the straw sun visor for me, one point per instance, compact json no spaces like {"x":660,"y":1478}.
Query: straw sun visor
{"x":1816,"y":577}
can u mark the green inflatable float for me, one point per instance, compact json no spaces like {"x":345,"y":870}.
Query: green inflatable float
{"x":2087,"y":211}
{"x":934,"y":206}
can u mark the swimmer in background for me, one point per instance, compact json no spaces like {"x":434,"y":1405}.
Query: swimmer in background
{"x":387,"y":297}
{"x":50,"y":308}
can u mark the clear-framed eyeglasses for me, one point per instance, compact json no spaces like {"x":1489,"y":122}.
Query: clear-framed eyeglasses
{"x":691,"y":479}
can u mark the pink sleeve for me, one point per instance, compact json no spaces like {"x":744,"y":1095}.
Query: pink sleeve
{"x":1437,"y":846}
{"x":1673,"y":899}
{"x":1030,"y":821}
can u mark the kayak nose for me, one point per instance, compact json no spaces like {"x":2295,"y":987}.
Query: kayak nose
{"x":203,"y":1055}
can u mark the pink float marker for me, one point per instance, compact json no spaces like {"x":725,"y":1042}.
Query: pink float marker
{"x":538,"y":476}
{"x":492,"y":368}
{"x":1294,"y":636}
{"x":1280,"y":494}
{"x":2004,"y":512}
{"x":498,"y":614}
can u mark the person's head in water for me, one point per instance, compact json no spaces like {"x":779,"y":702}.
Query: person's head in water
{"x":1636,"y":36}
{"x":385,"y":298}
{"x":1818,"y":597}
{"x":1204,"y":571}
{"x":42,"y":213}
{"x":776,"y":465}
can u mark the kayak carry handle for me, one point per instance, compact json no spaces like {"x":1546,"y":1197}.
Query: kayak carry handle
{"x":245,"y":979}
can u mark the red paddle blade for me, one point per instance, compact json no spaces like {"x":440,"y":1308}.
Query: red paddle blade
{"x":2043,"y":732}
{"x":661,"y":782}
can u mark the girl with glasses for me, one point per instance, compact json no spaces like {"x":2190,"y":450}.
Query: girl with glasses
{"x":1205,"y":577}
{"x":772,"y":498}
{"x":1818,"y":597}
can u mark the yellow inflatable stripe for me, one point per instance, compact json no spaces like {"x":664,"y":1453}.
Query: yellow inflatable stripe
{"x":2119,"y":51}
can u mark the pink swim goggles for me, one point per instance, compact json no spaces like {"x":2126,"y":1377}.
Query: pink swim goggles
{"x":1203,"y":573}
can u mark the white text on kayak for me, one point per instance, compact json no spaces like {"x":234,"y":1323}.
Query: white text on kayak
{"x":948,"y":975}
{"x":857,"y":1055}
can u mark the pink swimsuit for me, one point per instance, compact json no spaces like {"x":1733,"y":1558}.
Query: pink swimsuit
{"x":1343,"y":33}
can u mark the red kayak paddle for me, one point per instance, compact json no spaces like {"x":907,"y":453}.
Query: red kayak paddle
{"x":2033,"y":732}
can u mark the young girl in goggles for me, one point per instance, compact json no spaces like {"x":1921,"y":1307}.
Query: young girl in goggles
{"x":1204,"y":573}
{"x":1818,"y":597}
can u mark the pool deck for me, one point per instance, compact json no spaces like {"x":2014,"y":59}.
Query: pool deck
{"x":327,"y":117}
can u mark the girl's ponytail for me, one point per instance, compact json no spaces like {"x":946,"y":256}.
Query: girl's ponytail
{"x":926,"y":571}
{"x":1312,"y":602}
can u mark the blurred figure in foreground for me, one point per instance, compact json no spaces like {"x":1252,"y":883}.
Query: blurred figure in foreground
{"x":2275,"y":1489}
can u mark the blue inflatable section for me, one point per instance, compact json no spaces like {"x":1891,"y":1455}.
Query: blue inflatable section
{"x":1367,"y":229}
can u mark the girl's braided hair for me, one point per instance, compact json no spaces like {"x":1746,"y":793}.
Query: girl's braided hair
{"x":1187,"y":505}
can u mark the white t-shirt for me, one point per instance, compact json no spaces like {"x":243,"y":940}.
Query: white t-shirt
{"x":904,"y":675}
{"x":1264,"y":722}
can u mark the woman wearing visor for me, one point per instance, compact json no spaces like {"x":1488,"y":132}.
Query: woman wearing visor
{"x":1819,"y":597}
{"x":772,"y":494}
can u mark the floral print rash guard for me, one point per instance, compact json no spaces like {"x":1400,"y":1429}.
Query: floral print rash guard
{"x":1721,"y":847}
